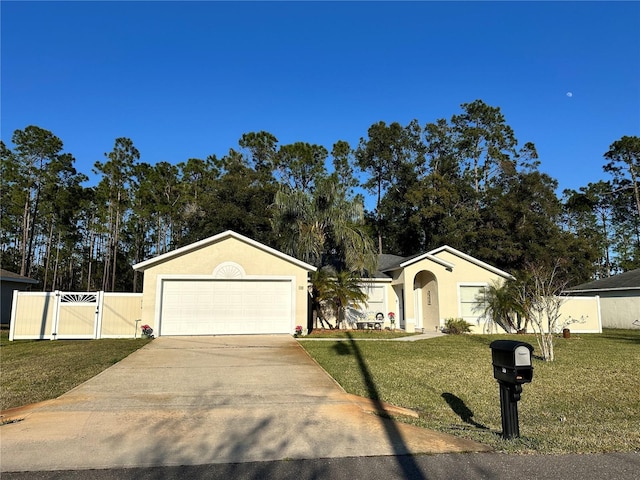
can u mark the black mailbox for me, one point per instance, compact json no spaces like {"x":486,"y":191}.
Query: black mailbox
{"x":512,"y":361}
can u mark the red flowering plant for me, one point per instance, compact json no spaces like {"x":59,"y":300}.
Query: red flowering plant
{"x":298,"y":330}
{"x":147,"y":331}
{"x":392,"y":319}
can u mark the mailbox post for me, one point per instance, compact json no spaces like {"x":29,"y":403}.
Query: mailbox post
{"x":512,"y":367}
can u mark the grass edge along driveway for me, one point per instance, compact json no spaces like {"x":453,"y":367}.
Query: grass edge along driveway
{"x":38,"y":370}
{"x":586,"y":401}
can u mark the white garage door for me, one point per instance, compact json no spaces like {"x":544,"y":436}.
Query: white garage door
{"x":217,"y":307}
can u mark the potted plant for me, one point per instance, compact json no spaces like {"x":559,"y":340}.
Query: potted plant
{"x":147,"y":331}
{"x":392,"y":320}
{"x":298,"y":331}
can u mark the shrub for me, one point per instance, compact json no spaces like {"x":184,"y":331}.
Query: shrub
{"x":456,"y":326}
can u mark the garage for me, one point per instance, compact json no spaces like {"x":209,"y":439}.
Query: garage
{"x":231,"y":307}
{"x":227,"y":284}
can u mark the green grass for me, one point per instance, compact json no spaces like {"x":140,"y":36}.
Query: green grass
{"x":587,"y":401}
{"x":38,"y":370}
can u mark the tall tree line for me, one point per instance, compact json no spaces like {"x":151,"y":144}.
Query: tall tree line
{"x":462,"y":181}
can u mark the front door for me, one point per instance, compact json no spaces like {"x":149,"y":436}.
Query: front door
{"x":426,"y":301}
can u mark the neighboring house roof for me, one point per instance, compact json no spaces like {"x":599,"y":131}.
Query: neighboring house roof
{"x":214,"y":239}
{"x":7,"y":276}
{"x":625,"y":281}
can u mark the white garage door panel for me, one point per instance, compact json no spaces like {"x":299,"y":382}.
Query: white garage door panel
{"x":214,"y":307}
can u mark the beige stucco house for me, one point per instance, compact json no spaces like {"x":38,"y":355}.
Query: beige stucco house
{"x":231,"y":284}
{"x":225,"y":284}
{"x":424,"y":290}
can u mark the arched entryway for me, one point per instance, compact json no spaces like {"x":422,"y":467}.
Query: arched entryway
{"x":425,"y":295}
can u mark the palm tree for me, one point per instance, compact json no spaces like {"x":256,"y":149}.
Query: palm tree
{"x":320,"y":280}
{"x":501,"y":306}
{"x":311,"y":225}
{"x":339,"y":290}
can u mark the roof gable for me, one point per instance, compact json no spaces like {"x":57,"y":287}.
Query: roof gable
{"x":142,"y":266}
{"x":393,"y":262}
{"x":427,"y":256}
{"x":473,"y":260}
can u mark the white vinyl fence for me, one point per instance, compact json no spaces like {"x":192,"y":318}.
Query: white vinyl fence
{"x":75,"y":315}
{"x":578,"y":314}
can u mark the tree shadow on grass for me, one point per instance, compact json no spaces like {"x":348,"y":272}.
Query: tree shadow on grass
{"x":625,"y":336}
{"x":407,"y":463}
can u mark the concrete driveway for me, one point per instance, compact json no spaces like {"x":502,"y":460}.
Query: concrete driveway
{"x":201,"y":400}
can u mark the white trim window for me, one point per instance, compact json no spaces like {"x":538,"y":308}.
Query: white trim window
{"x":471,"y":301}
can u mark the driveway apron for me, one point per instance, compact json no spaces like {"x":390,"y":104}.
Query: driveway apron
{"x":201,"y":400}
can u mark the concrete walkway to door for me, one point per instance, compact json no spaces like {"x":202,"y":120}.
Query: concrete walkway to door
{"x":201,"y":400}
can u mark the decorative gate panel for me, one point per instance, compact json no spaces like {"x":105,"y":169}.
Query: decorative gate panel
{"x":77,"y":315}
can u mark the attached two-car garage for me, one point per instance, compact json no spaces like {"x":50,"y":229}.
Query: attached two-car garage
{"x":218,"y":307}
{"x":227,"y":284}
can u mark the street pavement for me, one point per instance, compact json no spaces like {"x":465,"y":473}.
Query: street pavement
{"x":468,"y":466}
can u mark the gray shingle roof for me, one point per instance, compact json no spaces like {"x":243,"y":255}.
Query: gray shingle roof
{"x":7,"y":276}
{"x":625,"y":281}
{"x":388,"y":262}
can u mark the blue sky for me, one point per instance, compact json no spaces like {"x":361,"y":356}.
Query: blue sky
{"x":187,"y":79}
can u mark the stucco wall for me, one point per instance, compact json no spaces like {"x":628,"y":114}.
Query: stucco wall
{"x":464,"y":273}
{"x":448,"y":282}
{"x":580,"y":315}
{"x":204,"y":260}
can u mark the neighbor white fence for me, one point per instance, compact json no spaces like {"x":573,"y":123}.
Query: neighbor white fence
{"x":75,"y":315}
{"x":578,"y":314}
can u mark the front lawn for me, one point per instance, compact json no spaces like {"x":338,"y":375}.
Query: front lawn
{"x":38,"y":370}
{"x":587,"y":401}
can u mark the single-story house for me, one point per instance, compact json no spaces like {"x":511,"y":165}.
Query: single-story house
{"x":619,"y":298}
{"x":9,"y":282}
{"x":231,"y":284}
